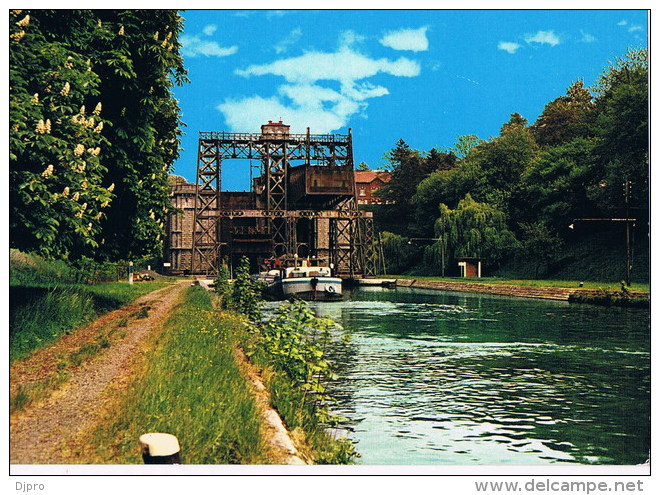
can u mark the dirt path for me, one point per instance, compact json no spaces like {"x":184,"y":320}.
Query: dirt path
{"x":37,"y":432}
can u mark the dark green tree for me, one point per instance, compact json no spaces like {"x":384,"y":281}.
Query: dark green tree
{"x":566,"y":117}
{"x":539,"y":243}
{"x":133,"y":57}
{"x":59,"y":191}
{"x":557,"y":187}
{"x":622,"y":124}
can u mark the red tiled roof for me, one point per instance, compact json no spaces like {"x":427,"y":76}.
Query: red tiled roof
{"x":368,"y":176}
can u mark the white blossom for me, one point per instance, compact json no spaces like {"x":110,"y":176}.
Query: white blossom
{"x":41,"y":127}
{"x":48,"y":172}
{"x":24,"y":22}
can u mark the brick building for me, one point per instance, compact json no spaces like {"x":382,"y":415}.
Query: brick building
{"x":367,"y":182}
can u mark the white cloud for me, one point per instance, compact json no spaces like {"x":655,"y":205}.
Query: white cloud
{"x":289,"y":40}
{"x":249,"y":113}
{"x":342,"y":65}
{"x":210,"y":29}
{"x":631,"y":27}
{"x":194,"y":46}
{"x":275,"y":13}
{"x":407,"y":39}
{"x":322,"y":90}
{"x":508,"y":46}
{"x":543,"y":37}
{"x":349,"y":37}
{"x":588,"y":38}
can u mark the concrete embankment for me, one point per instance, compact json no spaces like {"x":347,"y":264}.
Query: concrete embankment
{"x":556,"y":293}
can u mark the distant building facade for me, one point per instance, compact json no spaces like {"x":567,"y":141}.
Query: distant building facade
{"x":367,"y":182}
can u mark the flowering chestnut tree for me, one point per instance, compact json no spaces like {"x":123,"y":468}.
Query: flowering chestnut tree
{"x":58,"y":188}
{"x":94,"y":130}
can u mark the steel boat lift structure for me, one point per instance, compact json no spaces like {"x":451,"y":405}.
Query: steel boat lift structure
{"x":302,"y":203}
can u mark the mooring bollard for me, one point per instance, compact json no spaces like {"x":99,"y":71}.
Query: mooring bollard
{"x":160,"y":448}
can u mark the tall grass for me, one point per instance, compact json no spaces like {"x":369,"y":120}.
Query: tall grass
{"x":40,"y":315}
{"x":45,"y":317}
{"x":192,"y":389}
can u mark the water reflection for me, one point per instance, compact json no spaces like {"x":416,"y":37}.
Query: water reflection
{"x":446,"y":378}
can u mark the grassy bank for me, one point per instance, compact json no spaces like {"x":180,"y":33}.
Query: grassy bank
{"x":192,"y":388}
{"x":46,"y":302}
{"x":291,"y":346}
{"x":40,"y":315}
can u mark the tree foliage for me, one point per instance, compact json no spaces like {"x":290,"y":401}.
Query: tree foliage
{"x":93,"y":130}
{"x":474,"y":230}
{"x":522,"y":188}
{"x":565,"y":118}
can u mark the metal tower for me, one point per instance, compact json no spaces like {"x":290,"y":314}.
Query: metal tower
{"x":302,"y":203}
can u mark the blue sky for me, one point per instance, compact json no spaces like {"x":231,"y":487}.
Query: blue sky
{"x":427,"y":76}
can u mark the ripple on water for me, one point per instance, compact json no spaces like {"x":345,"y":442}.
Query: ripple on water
{"x":462,"y":380}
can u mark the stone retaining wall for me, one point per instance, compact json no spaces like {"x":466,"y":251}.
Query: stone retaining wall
{"x":556,"y":293}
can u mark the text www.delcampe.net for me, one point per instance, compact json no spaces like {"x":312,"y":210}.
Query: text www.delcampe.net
{"x":548,"y":485}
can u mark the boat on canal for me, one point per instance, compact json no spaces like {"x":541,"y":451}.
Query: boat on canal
{"x":309,"y":279}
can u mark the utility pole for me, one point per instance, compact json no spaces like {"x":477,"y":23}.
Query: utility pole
{"x":628,"y":233}
{"x":630,"y":223}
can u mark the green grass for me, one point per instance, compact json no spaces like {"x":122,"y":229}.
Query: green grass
{"x":643,"y":287}
{"x":192,"y":389}
{"x":30,"y":270}
{"x":46,"y":301}
{"x":39,"y":315}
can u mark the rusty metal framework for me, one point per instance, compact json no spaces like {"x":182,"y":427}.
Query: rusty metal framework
{"x":276,"y":216}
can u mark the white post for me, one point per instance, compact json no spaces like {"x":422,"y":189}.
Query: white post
{"x":160,"y":448}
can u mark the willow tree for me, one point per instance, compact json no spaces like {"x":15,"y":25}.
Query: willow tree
{"x":118,"y":65}
{"x":473,"y":229}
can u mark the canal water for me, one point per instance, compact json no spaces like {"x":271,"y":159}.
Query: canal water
{"x":448,"y":378}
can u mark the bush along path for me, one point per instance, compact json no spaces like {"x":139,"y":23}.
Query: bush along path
{"x":59,"y":391}
{"x":286,"y":358}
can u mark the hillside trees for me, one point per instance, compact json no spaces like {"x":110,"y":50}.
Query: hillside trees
{"x":535,"y":179}
{"x":622,"y":126}
{"x":118,"y":68}
{"x":565,"y":118}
